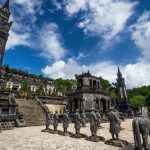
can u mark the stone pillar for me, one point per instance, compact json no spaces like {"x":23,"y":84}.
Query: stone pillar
{"x":73,"y":107}
{"x":106,"y":102}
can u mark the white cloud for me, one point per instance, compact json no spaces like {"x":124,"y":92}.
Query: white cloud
{"x":135,"y":74}
{"x":29,"y":6}
{"x":23,"y":15}
{"x":104,"y":18}
{"x":56,"y":70}
{"x":71,"y":67}
{"x":81,"y":55}
{"x":15,"y":39}
{"x":51,"y":42}
{"x":57,"y":4}
{"x":141,"y":34}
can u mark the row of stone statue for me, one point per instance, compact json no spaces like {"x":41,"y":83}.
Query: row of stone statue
{"x":95,"y":120}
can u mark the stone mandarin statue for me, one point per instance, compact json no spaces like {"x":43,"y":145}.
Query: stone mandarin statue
{"x":114,"y":120}
{"x":77,"y":122}
{"x":48,"y":120}
{"x":93,"y":123}
{"x":65,"y":122}
{"x":55,"y":121}
{"x":99,"y":118}
{"x":83,"y":118}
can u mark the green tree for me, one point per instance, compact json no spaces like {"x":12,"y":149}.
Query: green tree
{"x":138,"y":101}
{"x":106,"y":86}
{"x":64,"y":85}
{"x":25,"y":89}
{"x":114,"y":97}
{"x":41,"y":91}
{"x":147,"y":100}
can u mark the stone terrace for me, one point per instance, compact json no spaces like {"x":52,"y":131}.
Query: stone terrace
{"x":31,"y":138}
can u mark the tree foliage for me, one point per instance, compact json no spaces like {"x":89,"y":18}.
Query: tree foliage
{"x":25,"y":89}
{"x":138,"y":101}
{"x":63,"y":85}
{"x":41,"y":91}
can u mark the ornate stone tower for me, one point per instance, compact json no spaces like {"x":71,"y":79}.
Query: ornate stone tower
{"x":88,"y":94}
{"x":4,"y":28}
{"x":124,"y":105}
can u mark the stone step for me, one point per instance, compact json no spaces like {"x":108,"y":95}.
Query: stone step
{"x":33,"y":115}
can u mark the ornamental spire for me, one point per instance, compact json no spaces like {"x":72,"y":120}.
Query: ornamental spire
{"x":6,"y":5}
{"x":119,"y":72}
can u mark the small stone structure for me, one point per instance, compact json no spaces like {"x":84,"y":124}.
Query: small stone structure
{"x":8,"y":109}
{"x":53,"y":103}
{"x":124,"y":105}
{"x":88,"y":94}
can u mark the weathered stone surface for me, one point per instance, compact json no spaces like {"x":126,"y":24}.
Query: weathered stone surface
{"x":95,"y":138}
{"x":117,"y":142}
{"x":31,"y":138}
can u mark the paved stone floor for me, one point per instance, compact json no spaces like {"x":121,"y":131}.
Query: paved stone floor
{"x":31,"y":138}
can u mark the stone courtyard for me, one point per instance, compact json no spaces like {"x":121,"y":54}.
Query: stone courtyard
{"x":31,"y":138}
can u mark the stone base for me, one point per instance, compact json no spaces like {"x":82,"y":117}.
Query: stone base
{"x":131,"y":147}
{"x":95,"y":138}
{"x":117,"y":142}
{"x":63,"y":133}
{"x":45,"y":130}
{"x":78,"y":136}
{"x":55,"y":132}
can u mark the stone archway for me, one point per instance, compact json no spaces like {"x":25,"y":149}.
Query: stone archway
{"x":97,"y":103}
{"x":94,"y":83}
{"x":104,"y":104}
{"x":76,"y":104}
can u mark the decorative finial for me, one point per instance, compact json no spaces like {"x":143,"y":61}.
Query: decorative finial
{"x":6,"y":5}
{"x":119,"y":72}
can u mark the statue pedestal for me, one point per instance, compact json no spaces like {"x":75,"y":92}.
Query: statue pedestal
{"x":95,"y":138}
{"x":131,"y":147}
{"x":78,"y":136}
{"x":117,"y":142}
{"x":55,"y":132}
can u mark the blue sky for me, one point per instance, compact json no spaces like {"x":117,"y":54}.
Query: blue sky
{"x":60,"y":38}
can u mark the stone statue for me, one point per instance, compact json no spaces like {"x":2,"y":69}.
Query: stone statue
{"x":93,"y":123}
{"x":77,"y":122}
{"x":65,"y":122}
{"x":0,"y":124}
{"x":99,"y":118}
{"x":83,"y":119}
{"x":55,"y":121}
{"x":48,"y":120}
{"x":141,"y":125}
{"x":0,"y":118}
{"x":114,"y":120}
{"x":145,"y":112}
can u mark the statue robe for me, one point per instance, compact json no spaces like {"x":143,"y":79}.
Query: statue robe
{"x":114,"y":123}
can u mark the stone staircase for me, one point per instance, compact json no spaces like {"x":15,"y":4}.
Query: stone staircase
{"x":32,"y":113}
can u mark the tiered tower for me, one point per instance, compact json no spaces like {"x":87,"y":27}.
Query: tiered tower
{"x":4,"y":28}
{"x":124,"y":105}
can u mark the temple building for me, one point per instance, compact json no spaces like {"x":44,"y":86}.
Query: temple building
{"x":14,"y":78}
{"x":4,"y":28}
{"x":124,"y":105}
{"x":88,"y":94}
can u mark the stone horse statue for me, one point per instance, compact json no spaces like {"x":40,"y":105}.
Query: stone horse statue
{"x":141,"y":127}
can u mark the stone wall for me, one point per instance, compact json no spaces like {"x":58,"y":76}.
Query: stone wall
{"x":52,"y":108}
